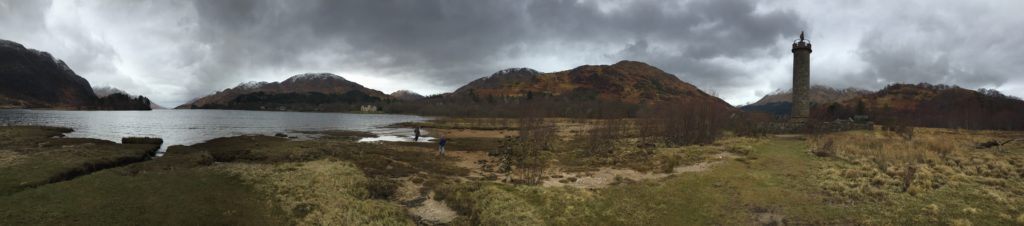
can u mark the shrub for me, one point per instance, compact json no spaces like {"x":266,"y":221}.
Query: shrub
{"x":524,"y":155}
{"x":601,"y":139}
{"x":682,"y":123}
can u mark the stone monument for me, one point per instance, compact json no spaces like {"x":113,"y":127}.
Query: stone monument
{"x":801,"y":80}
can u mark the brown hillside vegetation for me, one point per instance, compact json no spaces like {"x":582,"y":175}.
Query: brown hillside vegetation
{"x":933,"y":106}
{"x":598,"y":91}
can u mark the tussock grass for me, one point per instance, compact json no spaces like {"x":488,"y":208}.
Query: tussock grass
{"x":321,"y":192}
{"x":938,"y":165}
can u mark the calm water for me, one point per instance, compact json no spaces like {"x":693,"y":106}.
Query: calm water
{"x":195,"y":126}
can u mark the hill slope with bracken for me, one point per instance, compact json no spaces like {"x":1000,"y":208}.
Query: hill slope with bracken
{"x":625,"y":81}
{"x":31,"y":78}
{"x":618,"y":90}
{"x":932,"y":106}
{"x":303,"y":92}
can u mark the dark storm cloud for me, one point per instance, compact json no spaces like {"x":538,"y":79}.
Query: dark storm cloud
{"x":173,"y":51}
{"x":450,"y":43}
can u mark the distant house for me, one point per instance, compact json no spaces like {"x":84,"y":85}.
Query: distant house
{"x":368,"y":108}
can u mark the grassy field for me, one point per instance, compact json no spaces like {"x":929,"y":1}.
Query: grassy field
{"x":30,"y":157}
{"x":932,"y":177}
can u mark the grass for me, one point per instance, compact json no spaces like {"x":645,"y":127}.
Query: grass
{"x":733,"y":193}
{"x":877,"y":177}
{"x":573,"y":157}
{"x":341,"y":134}
{"x":465,"y":123}
{"x":935,"y":177}
{"x":779,"y":181}
{"x":248,"y":180}
{"x":182,"y":196}
{"x":460,"y":144}
{"x":31,"y":158}
{"x":321,"y":192}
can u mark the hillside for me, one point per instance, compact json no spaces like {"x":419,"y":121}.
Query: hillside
{"x":406,"y":95}
{"x":780,"y":102}
{"x":818,"y":94}
{"x":933,"y":106}
{"x":107,"y":91}
{"x":303,"y":92}
{"x":35,"y":79}
{"x":625,"y":81}
{"x":619,"y":90}
{"x":31,"y":78}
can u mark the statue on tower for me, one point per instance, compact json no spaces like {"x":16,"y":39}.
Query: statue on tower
{"x":801,"y":36}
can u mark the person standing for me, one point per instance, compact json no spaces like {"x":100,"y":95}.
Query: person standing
{"x":441,"y":144}
{"x":417,"y":133}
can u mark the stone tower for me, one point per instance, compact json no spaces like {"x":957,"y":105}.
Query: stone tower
{"x":801,"y":80}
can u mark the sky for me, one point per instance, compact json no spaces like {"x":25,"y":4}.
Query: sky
{"x":173,"y":51}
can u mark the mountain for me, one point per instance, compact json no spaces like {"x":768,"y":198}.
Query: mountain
{"x":31,"y":78}
{"x":618,"y":90}
{"x":626,"y":81}
{"x":303,"y":92}
{"x":818,"y":94}
{"x":35,"y":79}
{"x":780,"y":102}
{"x":406,"y":95}
{"x":933,"y":106}
{"x":106,"y":91}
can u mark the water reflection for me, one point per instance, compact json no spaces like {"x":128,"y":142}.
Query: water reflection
{"x":188,"y":127}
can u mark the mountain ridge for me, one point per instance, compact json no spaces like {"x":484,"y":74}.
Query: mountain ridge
{"x":30,"y":78}
{"x":301,"y":84}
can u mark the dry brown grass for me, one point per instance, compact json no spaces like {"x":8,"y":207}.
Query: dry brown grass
{"x":879,"y":164}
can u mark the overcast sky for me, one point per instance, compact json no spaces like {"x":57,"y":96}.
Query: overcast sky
{"x":174,"y":50}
